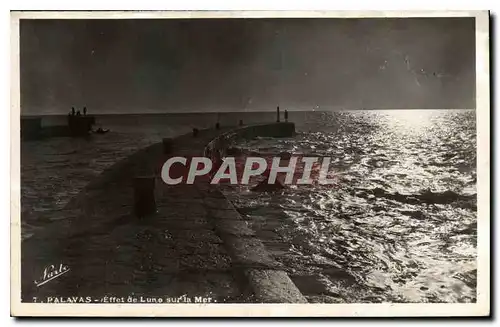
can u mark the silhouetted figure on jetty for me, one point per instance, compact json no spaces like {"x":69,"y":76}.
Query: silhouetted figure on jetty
{"x":85,"y":111}
{"x":278,"y":114}
{"x":72,"y":111}
{"x":286,"y":115}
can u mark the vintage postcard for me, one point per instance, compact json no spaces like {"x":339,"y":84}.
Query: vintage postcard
{"x":250,"y":164}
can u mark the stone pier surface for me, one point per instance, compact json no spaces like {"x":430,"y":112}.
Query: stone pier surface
{"x":195,"y":247}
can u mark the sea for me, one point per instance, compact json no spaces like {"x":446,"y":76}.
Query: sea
{"x":401,"y":219}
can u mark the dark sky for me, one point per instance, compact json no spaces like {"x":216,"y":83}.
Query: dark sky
{"x":246,"y":64}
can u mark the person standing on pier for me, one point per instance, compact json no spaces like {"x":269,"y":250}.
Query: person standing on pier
{"x":72,"y":111}
{"x":286,"y":115}
{"x":278,"y":114}
{"x":84,"y":111}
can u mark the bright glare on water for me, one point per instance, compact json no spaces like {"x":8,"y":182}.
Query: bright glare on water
{"x":400,"y":224}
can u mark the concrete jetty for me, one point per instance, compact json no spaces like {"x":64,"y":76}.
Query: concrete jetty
{"x":195,"y":248}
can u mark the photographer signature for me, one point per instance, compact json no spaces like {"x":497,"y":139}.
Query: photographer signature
{"x":51,"y":272}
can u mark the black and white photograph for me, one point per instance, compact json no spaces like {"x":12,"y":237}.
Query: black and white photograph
{"x":207,"y":159}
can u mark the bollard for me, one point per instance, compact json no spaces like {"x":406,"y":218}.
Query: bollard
{"x":217,"y":126}
{"x":144,"y":196}
{"x":195,"y":132}
{"x":167,"y":145}
{"x":278,"y":114}
{"x":286,"y":115}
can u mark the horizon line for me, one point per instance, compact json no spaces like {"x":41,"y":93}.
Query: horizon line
{"x":246,"y":111}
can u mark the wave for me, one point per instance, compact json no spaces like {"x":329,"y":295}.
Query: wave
{"x":426,"y":196}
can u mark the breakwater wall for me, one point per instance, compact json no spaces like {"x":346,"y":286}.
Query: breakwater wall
{"x":196,"y":243}
{"x":267,"y":281}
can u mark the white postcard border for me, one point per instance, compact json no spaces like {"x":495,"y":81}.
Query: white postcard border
{"x":481,"y":308}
